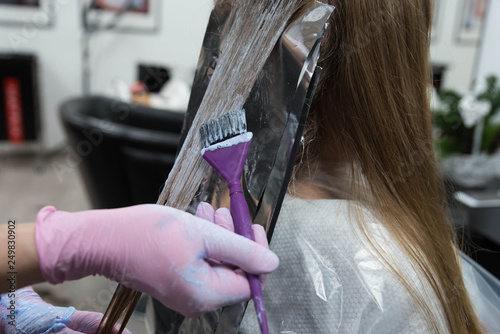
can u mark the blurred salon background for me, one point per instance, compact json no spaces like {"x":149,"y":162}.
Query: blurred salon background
{"x":93,"y":96}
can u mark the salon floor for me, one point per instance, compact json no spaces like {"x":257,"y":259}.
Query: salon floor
{"x":27,"y":183}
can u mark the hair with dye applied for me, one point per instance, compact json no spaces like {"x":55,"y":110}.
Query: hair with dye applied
{"x":256,"y":27}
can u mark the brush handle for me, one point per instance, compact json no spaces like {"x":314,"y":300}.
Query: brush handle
{"x":243,"y":226}
{"x":228,"y":159}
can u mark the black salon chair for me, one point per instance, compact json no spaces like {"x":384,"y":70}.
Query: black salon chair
{"x":126,"y":150}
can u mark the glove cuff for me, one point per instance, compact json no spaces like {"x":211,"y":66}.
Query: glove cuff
{"x":63,"y":244}
{"x":43,"y":240}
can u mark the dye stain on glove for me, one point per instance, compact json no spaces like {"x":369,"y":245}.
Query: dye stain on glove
{"x":29,"y":315}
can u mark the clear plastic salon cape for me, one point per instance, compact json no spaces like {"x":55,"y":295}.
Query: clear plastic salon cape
{"x":330,"y":282}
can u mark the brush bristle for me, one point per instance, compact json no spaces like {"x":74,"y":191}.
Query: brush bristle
{"x":224,"y":127}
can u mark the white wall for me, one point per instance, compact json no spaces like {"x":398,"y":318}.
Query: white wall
{"x":489,"y":56}
{"x":114,"y":55}
{"x":177,"y":44}
{"x":459,"y":57}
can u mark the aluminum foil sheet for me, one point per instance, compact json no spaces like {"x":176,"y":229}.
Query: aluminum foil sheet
{"x":276,"y":112}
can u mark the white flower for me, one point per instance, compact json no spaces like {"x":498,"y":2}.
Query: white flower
{"x":480,"y":85}
{"x":473,"y":110}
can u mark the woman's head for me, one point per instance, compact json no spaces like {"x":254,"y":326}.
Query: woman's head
{"x":375,"y":61}
{"x":371,"y":115}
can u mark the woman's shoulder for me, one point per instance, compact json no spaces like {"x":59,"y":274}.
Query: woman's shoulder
{"x":329,"y":231}
{"x":341,"y":230}
{"x":328,"y":280}
{"x":325,"y":214}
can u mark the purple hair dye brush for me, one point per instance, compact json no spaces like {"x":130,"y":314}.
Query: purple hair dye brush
{"x":226,"y":143}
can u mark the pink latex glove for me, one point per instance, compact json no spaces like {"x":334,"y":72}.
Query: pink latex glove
{"x":222,"y":217}
{"x":155,"y":249}
{"x":33,"y":315}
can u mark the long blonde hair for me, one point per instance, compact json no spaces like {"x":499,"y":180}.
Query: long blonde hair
{"x":372,"y":113}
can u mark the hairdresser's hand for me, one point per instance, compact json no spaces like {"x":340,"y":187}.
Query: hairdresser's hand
{"x":154,"y":249}
{"x":30,"y":314}
{"x":222,"y":217}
